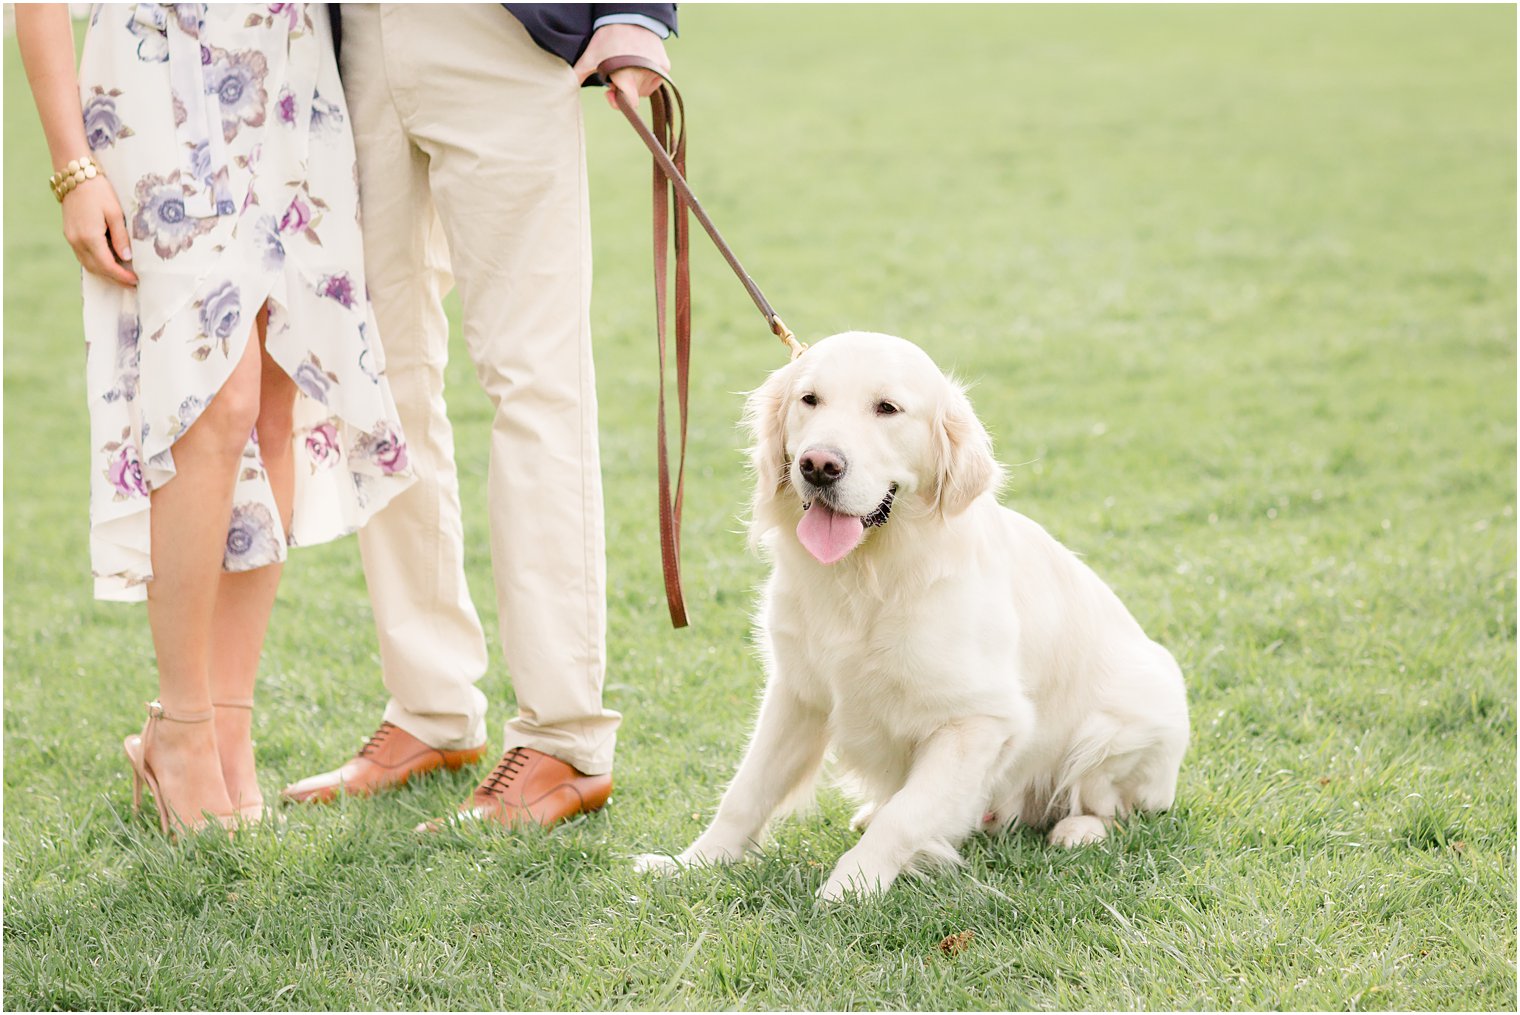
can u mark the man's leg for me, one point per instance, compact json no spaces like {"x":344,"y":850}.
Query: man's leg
{"x":500,"y":120}
{"x":432,"y":648}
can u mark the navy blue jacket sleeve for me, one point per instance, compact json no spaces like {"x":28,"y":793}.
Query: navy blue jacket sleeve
{"x":565,"y":29}
{"x":562,"y":29}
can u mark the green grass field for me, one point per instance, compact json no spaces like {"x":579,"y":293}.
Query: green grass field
{"x":1236,"y":287}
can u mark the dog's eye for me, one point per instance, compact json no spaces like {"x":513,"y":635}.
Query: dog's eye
{"x":886,"y":408}
{"x":809,"y":399}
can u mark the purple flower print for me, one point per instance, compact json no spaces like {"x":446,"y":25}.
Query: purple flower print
{"x":148,"y":23}
{"x":249,"y":162}
{"x":289,"y":13}
{"x":251,"y":538}
{"x":161,"y":215}
{"x":366,"y":363}
{"x":125,"y":473}
{"x":338,"y":287}
{"x":326,"y":116}
{"x":391,"y":454}
{"x":313,"y":381}
{"x":285,"y":107}
{"x":367,"y":355}
{"x":297,"y":217}
{"x":386,"y":449}
{"x":237,"y":82}
{"x":191,"y":20}
{"x":102,"y":124}
{"x":267,"y":236}
{"x":189,"y":411}
{"x":322,"y":446}
{"x":200,"y":162}
{"x":128,"y":329}
{"x":221,"y":309}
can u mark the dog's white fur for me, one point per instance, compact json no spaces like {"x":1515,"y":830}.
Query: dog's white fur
{"x":966,"y":668}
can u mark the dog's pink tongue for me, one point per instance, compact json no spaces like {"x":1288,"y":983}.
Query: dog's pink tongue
{"x":828,"y":535}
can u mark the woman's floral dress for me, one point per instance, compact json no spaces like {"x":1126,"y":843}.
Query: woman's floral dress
{"x":224,"y":131}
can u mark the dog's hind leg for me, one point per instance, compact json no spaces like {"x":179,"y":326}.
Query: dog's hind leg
{"x":940,"y":804}
{"x":1108,"y":794}
{"x":784,"y":754}
{"x":1115,"y":767}
{"x":861,"y":819}
{"x":1095,"y":804}
{"x":1079,"y":830}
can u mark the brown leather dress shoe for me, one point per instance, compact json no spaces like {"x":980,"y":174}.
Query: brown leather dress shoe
{"x":529,"y":786}
{"x":387,"y":760}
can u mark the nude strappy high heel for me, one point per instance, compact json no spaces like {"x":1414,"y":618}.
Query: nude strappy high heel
{"x":248,"y":812}
{"x":136,"y":748}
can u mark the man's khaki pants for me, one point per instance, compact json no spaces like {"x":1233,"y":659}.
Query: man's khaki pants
{"x":472,"y":170}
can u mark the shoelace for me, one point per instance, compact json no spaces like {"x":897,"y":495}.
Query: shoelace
{"x":505,"y":771}
{"x":376,"y":739}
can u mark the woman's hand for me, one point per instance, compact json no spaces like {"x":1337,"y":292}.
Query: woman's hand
{"x":95,"y":227}
{"x":92,"y":219}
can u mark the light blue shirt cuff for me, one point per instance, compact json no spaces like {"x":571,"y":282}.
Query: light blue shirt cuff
{"x":643,"y":21}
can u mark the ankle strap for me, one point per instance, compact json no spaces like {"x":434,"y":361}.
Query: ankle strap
{"x":234,"y":703}
{"x":156,"y":711}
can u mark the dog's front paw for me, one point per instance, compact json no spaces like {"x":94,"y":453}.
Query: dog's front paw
{"x":699,"y":854}
{"x":858,"y":878}
{"x":656,"y":863}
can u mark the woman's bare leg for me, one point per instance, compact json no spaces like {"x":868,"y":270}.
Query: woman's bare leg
{"x":245,"y":599}
{"x":189,"y":519}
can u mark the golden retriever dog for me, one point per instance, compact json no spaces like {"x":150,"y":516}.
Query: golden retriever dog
{"x":966,"y":669}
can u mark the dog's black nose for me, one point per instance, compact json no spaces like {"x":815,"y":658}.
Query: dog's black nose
{"x":821,"y":466}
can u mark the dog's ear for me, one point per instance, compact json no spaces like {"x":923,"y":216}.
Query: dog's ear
{"x":765,"y":421}
{"x":966,"y":467}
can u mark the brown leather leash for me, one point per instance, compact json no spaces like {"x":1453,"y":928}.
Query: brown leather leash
{"x":666,"y":141}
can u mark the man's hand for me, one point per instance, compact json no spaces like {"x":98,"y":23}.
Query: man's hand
{"x":624,"y":40}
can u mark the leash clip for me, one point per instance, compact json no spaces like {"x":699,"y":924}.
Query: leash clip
{"x":778,"y":326}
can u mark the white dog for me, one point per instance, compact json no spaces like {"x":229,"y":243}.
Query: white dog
{"x":967,"y":669}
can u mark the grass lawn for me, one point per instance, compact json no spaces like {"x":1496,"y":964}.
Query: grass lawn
{"x":1236,"y":287}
